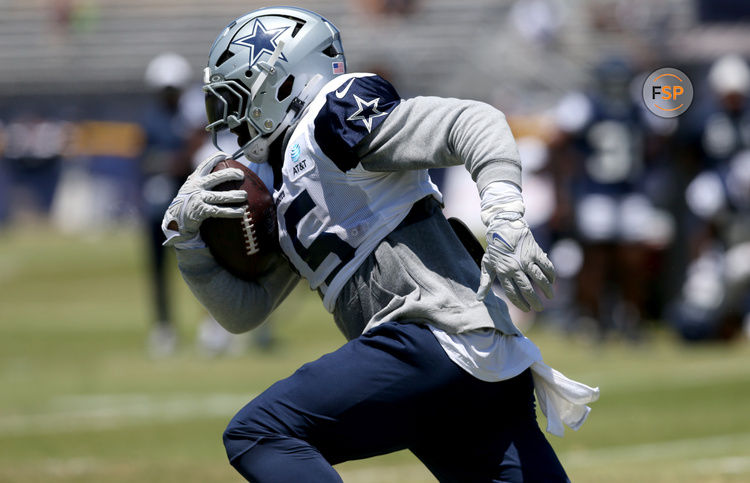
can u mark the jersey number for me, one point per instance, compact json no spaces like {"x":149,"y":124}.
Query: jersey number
{"x":324,"y":244}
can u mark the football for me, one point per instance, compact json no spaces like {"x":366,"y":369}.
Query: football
{"x":244,"y":246}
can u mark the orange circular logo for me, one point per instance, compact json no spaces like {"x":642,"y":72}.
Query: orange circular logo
{"x":667,"y":92}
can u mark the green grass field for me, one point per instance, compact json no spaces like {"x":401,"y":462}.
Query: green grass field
{"x":80,"y":400}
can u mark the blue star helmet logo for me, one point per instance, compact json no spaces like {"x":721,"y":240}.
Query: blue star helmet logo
{"x":261,"y":41}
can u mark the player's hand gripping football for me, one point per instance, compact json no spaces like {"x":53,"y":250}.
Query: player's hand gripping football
{"x":515,"y":259}
{"x":195,"y":202}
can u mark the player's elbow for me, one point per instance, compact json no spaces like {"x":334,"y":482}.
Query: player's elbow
{"x":482,"y":114}
{"x":236,"y":324}
{"x":233,"y":328}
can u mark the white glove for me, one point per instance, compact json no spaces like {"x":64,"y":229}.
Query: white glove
{"x":513,"y":256}
{"x":194,"y":203}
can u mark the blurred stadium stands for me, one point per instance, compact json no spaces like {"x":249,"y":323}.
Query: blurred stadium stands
{"x":443,"y":47}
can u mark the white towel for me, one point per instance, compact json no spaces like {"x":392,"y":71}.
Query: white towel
{"x":562,"y":400}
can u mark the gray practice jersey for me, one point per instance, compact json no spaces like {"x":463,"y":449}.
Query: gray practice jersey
{"x":353,"y":166}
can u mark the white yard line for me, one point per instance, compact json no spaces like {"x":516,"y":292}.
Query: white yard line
{"x":98,"y":412}
{"x":641,"y":453}
{"x":722,"y":465}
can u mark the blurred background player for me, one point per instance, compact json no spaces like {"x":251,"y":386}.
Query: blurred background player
{"x":605,"y":202}
{"x":32,"y":161}
{"x":173,"y":132}
{"x":175,"y":142}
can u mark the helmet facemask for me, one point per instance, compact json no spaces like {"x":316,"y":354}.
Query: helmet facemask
{"x":227,"y":108}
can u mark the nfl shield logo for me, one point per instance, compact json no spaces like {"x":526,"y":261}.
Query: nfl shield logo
{"x":338,"y":67}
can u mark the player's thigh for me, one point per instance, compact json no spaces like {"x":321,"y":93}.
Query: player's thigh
{"x":495,"y":437}
{"x":518,"y":455}
{"x":362,"y":400}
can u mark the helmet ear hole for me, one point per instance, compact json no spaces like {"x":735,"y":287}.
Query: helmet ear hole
{"x":224,"y":57}
{"x":331,"y":51}
{"x":248,"y":73}
{"x":285,"y":90}
{"x":297,"y":28}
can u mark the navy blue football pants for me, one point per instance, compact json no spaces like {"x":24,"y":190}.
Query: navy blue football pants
{"x":390,"y":389}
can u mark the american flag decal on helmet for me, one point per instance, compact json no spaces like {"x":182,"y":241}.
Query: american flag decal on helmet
{"x":338,"y":67}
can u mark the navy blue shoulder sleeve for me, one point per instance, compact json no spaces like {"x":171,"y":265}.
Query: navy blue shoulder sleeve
{"x":350,"y":114}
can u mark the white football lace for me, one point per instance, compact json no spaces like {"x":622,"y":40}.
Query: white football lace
{"x":251,"y":242}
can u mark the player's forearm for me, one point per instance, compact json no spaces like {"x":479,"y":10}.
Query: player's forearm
{"x":434,"y":132}
{"x":237,"y":305}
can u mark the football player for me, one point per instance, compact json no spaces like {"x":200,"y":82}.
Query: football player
{"x":433,"y":362}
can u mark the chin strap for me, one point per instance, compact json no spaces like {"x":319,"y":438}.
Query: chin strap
{"x":256,"y":150}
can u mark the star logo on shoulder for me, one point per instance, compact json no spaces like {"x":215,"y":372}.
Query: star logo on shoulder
{"x":261,"y":41}
{"x":366,"y":112}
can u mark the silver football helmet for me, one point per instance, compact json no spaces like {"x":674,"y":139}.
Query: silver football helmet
{"x":263,"y":69}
